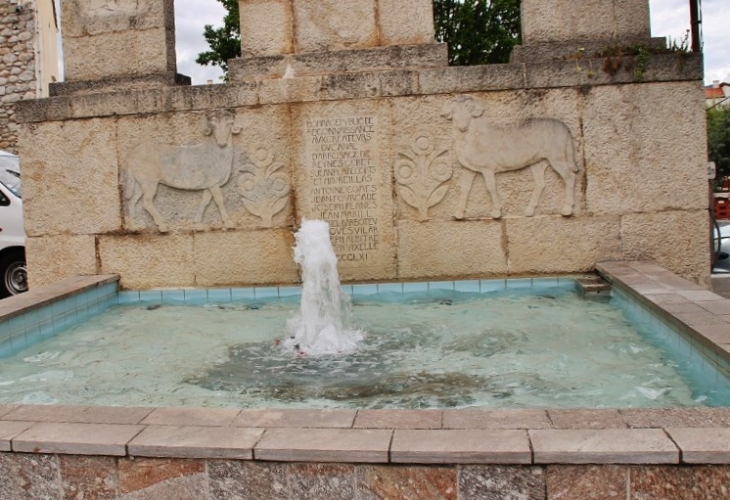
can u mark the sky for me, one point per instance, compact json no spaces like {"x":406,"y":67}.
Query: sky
{"x":670,"y":18}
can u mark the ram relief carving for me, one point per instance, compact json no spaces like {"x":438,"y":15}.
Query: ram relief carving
{"x":487,"y":149}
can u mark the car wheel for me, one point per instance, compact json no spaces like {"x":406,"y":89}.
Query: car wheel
{"x":14,"y":275}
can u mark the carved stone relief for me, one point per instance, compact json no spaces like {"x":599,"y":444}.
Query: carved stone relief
{"x":264,"y":189}
{"x":487,"y":149}
{"x":423,"y":176}
{"x":205,"y":167}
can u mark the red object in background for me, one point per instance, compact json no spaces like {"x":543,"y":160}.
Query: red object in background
{"x":722,"y":208}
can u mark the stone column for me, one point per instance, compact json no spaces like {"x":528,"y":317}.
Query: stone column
{"x":553,"y":29}
{"x":118,"y":44}
{"x":311,"y":37}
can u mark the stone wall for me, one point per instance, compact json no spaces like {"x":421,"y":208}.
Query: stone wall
{"x":17,"y":67}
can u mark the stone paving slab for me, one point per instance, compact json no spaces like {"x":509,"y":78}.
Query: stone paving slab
{"x":461,"y":447}
{"x":703,"y":446}
{"x":195,"y":442}
{"x":9,"y":430}
{"x":324,"y":445}
{"x":192,"y":416}
{"x":76,"y":439}
{"x":607,"y":446}
{"x":587,"y":419}
{"x":399,"y":419}
{"x":496,"y":419}
{"x":5,"y":409}
{"x":78,"y":414}
{"x":658,"y":418}
{"x":296,"y":418}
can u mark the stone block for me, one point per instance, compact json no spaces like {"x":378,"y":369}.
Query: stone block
{"x":29,"y":476}
{"x":689,"y":418}
{"x":247,"y":480}
{"x":197,"y":417}
{"x":90,"y":477}
{"x":702,"y":446}
{"x":344,"y":176}
{"x":496,"y":419}
{"x":93,"y":17}
{"x":642,"y":155}
{"x":460,"y":447}
{"x":266,"y":27}
{"x":123,"y":84}
{"x":76,"y":439}
{"x":554,"y":244}
{"x":405,"y":22}
{"x":244,"y":258}
{"x":677,"y":240}
{"x":685,"y":483}
{"x":50,"y":259}
{"x":324,"y":445}
{"x":334,"y":24}
{"x":138,"y":53}
{"x":481,"y":482}
{"x":558,"y":20}
{"x":578,"y":482}
{"x":195,"y":442}
{"x":309,"y":419}
{"x":399,"y":419}
{"x":146,"y":478}
{"x":472,"y":78}
{"x":587,"y":419}
{"x":455,"y":250}
{"x":8,"y":430}
{"x":406,"y":483}
{"x":80,"y":177}
{"x":146,"y":261}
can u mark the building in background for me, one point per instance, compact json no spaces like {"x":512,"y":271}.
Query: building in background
{"x":28,"y":58}
{"x":717,"y":94}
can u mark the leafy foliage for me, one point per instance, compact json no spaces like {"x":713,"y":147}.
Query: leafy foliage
{"x":718,"y":135}
{"x":225,"y":41}
{"x":477,"y":31}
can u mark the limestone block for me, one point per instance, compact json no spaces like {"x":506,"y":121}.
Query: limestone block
{"x":405,"y":22}
{"x":245,"y":159}
{"x":266,"y":27}
{"x":561,"y":20}
{"x":148,"y":261}
{"x":450,"y":250}
{"x":644,"y":154}
{"x":676,"y":240}
{"x":334,"y":24}
{"x":93,"y":17}
{"x":70,"y":185}
{"x":53,"y":258}
{"x":554,"y":244}
{"x":245,"y":258}
{"x":343,"y":175}
{"x":502,"y":136}
{"x":472,"y":78}
{"x":124,"y":53}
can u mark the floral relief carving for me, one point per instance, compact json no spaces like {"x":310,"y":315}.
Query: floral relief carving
{"x":423,"y":176}
{"x":263,"y":188}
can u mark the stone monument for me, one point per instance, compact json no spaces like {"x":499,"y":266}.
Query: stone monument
{"x":347,"y":111}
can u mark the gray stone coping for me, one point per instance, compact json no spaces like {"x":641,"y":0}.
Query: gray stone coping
{"x":506,"y":437}
{"x":578,"y":73}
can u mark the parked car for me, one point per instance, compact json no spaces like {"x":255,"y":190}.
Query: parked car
{"x":13,"y":272}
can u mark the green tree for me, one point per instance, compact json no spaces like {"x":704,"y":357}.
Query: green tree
{"x":476,"y":31}
{"x":224,"y":42}
{"x":718,"y":136}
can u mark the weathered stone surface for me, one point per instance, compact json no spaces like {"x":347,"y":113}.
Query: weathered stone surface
{"x":53,"y":258}
{"x":441,"y":249}
{"x":146,"y":261}
{"x":555,"y":20}
{"x":81,"y":176}
{"x":685,"y":483}
{"x":692,"y":418}
{"x":460,"y":447}
{"x":201,"y":417}
{"x":405,"y":22}
{"x":155,"y":479}
{"x":194,"y":442}
{"x":247,"y":480}
{"x":140,"y":53}
{"x":29,"y":477}
{"x":244,"y":258}
{"x":586,"y":419}
{"x":266,"y":27}
{"x":302,"y":419}
{"x":632,"y":138}
{"x":8,"y":430}
{"x":88,"y":478}
{"x":676,"y":240}
{"x":496,"y":419}
{"x":324,"y":445}
{"x":550,"y":245}
{"x":334,"y":24}
{"x":702,"y":446}
{"x":399,"y":419}
{"x":501,"y":483}
{"x":83,"y":17}
{"x":79,"y":439}
{"x":317,"y":481}
{"x":406,"y":483}
{"x":119,"y":84}
{"x":607,"y":482}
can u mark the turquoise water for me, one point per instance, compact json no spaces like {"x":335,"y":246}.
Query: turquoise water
{"x":445,"y":349}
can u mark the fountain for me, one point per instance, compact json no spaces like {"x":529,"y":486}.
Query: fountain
{"x":321,"y":326}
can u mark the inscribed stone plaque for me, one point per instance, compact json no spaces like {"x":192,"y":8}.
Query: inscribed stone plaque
{"x":345,"y":184}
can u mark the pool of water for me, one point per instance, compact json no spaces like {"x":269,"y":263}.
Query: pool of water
{"x":517,"y":349}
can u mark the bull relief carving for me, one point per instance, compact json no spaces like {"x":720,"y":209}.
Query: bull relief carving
{"x":205,"y":167}
{"x":483,"y":148}
{"x":422,"y":176}
{"x":264,"y":190}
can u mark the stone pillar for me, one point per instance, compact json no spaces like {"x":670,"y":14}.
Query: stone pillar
{"x":117,"y":44}
{"x":323,"y":36}
{"x":554,"y":29}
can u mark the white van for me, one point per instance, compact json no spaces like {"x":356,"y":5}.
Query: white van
{"x":13,"y":273}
